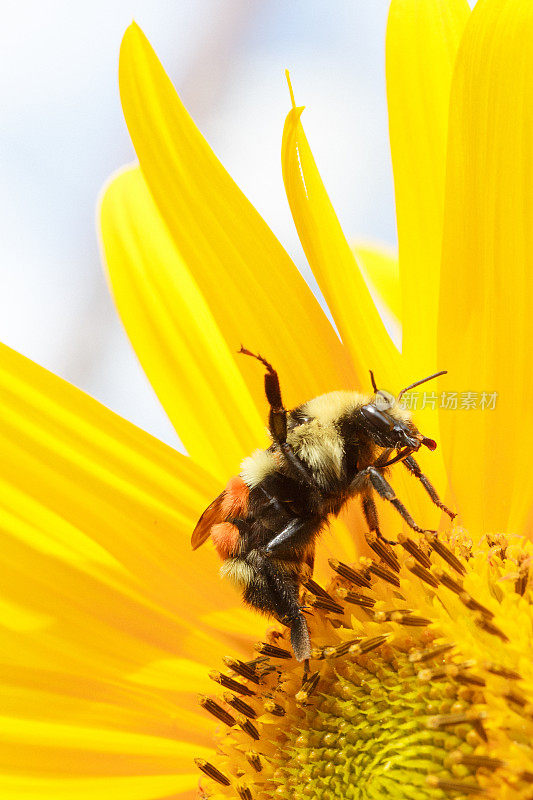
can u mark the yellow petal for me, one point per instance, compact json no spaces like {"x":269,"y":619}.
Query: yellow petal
{"x":98,"y":585}
{"x":379,"y":268}
{"x":249,"y":283}
{"x":82,"y":486}
{"x":331,"y":259}
{"x":422,"y":41}
{"x":173,"y":331}
{"x":353,"y":308}
{"x":152,"y":787}
{"x":36,"y":747}
{"x":485,"y":322}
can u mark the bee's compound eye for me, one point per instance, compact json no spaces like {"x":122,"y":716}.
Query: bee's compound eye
{"x":378,"y":419}
{"x":384,"y":400}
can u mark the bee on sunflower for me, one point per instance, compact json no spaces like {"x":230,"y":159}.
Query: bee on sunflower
{"x":420,"y":679}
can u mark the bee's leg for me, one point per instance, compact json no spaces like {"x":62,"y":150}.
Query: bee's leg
{"x":309,"y":559}
{"x":298,"y":466}
{"x":290,"y":531}
{"x":413,"y":467}
{"x":278,"y":594}
{"x":300,"y":639}
{"x":371,"y":515}
{"x":277,"y":418}
{"x":277,"y":421}
{"x":369,"y":507}
{"x":275,"y":503}
{"x":385,"y":490}
{"x":383,"y":458}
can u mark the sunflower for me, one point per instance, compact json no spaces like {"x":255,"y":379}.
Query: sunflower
{"x":421,"y":681}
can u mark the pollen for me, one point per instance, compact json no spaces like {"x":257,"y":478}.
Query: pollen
{"x":419,"y":687}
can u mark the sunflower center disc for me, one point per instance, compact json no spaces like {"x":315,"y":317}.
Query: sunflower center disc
{"x":371,"y":733}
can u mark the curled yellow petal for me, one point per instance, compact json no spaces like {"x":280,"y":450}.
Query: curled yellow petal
{"x":253,"y":290}
{"x":331,"y":259}
{"x":485,"y":320}
{"x":422,"y":42}
{"x":379,"y":267}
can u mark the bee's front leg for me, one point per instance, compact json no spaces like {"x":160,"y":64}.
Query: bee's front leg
{"x":371,"y":515}
{"x":385,"y":490}
{"x":413,"y":467}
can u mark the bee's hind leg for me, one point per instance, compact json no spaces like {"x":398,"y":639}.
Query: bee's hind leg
{"x":300,"y":639}
{"x":277,"y":594}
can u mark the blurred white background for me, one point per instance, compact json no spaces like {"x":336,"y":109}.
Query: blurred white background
{"x":63,"y":134}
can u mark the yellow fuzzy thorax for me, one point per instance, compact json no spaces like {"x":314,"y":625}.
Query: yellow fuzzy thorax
{"x":329,"y":407}
{"x":318,"y":441}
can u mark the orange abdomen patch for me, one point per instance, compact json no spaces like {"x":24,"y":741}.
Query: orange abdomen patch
{"x":235,"y":498}
{"x":225,"y":537}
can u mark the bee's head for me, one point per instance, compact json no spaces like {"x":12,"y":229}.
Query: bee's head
{"x":387,"y":422}
{"x":390,"y":429}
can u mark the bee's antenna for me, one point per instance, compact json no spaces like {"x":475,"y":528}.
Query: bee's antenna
{"x":375,"y":388}
{"x":412,"y":386}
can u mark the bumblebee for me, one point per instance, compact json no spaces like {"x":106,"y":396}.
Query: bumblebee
{"x":265,"y":523}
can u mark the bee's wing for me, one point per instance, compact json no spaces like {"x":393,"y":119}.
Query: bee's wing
{"x":210,"y":517}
